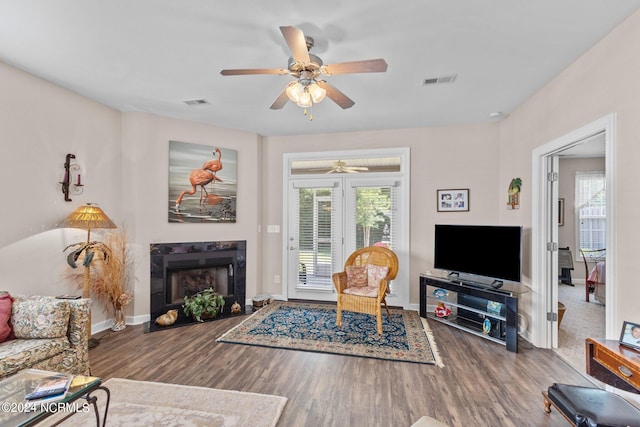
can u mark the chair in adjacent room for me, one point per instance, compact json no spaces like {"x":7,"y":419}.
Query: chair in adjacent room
{"x":364,"y":284}
{"x":595,"y":279}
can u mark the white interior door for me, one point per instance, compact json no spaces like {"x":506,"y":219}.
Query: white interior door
{"x":552,"y":250}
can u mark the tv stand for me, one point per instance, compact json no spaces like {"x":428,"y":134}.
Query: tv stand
{"x":477,"y":308}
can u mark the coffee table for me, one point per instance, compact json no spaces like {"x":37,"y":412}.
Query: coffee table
{"x":15,"y":411}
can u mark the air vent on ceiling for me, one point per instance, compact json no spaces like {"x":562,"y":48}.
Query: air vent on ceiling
{"x":440,"y":80}
{"x":199,"y":101}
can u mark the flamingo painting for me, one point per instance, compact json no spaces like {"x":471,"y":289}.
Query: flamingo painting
{"x":203,"y":176}
{"x":209,"y":170}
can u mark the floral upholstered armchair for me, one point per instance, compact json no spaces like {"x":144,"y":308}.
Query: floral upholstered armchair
{"x":364,"y":284}
{"x":49,"y":334}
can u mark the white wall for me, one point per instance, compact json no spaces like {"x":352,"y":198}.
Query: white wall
{"x":145,"y":172}
{"x":603,"y":81}
{"x":124,"y":158}
{"x":39,"y":124}
{"x":441,"y":157}
{"x":125,"y":164}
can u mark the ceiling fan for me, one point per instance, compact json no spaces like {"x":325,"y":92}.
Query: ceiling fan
{"x":341,"y":167}
{"x":307,"y":68}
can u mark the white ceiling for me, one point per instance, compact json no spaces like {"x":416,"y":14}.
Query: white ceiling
{"x":149,"y":55}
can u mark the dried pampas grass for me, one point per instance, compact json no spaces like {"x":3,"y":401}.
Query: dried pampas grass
{"x":110,"y":272}
{"x":112,"y":275}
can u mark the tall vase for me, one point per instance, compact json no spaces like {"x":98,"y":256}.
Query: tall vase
{"x":118,"y":323}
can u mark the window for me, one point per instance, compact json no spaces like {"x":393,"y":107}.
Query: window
{"x":591,"y":212}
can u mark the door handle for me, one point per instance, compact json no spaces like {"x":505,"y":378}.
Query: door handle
{"x":292,"y":248}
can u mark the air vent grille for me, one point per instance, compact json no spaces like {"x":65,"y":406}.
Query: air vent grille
{"x":199,"y":101}
{"x":439,"y":80}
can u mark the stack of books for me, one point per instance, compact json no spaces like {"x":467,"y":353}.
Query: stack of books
{"x":49,"y":389}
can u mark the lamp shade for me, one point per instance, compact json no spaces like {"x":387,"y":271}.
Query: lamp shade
{"x":305,"y":99}
{"x":294,"y":90}
{"x":317,"y":93}
{"x":87,"y":217}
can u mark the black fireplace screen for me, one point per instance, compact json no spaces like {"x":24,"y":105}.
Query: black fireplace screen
{"x":189,"y":281}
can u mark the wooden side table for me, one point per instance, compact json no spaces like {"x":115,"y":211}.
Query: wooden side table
{"x":613,"y":364}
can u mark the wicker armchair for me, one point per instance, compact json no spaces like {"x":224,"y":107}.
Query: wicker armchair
{"x":366,"y":297}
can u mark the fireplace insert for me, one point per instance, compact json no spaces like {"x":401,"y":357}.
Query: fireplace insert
{"x":179,"y":269}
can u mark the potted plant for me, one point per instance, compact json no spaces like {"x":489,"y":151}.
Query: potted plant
{"x":205,"y":304}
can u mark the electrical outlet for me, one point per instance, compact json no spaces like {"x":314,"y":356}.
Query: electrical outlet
{"x":276,"y":279}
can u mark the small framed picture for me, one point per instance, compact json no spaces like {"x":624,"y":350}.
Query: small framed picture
{"x":456,"y":200}
{"x":630,"y":335}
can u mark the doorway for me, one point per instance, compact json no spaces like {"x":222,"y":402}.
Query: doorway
{"x":544,"y":275}
{"x":333,"y":207}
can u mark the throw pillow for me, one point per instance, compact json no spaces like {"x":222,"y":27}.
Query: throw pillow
{"x":6,"y":333}
{"x":40,"y":319}
{"x":356,"y":275}
{"x":375,"y":273}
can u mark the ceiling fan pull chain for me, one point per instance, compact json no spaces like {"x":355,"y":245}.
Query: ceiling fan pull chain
{"x":309,"y":112}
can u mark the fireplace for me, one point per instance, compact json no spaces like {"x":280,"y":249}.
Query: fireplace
{"x":187,"y":281}
{"x":183,"y":269}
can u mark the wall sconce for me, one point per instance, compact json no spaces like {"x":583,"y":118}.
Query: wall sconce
{"x":71,"y":183}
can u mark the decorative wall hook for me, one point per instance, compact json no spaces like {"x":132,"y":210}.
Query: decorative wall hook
{"x":71,"y":183}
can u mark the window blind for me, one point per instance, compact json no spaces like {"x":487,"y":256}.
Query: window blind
{"x":591,"y":213}
{"x":316,"y":236}
{"x":374,"y":215}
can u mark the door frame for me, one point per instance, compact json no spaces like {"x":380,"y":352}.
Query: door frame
{"x":544,"y":332}
{"x":403,"y":214}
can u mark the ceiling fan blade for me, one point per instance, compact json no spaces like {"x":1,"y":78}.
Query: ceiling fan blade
{"x":367,"y":66}
{"x":335,"y":95}
{"x":280,"y":101}
{"x":246,"y":71}
{"x":298,"y":45}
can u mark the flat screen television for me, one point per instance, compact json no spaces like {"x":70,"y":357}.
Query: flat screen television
{"x":491,"y":251}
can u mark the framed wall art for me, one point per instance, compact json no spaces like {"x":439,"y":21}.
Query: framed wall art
{"x":202,"y":183}
{"x":456,"y":200}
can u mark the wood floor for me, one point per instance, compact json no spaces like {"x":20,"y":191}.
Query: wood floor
{"x":481,"y":384}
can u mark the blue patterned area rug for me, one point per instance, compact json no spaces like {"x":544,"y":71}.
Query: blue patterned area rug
{"x":312,"y":327}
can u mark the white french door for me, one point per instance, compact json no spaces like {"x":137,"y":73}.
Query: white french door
{"x":372,"y":218}
{"x":329,"y":219}
{"x":314,"y":241}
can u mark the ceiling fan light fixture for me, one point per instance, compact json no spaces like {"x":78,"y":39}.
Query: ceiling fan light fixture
{"x":306,"y":67}
{"x":305,"y":99}
{"x":317,"y":93}
{"x":294,"y":91}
